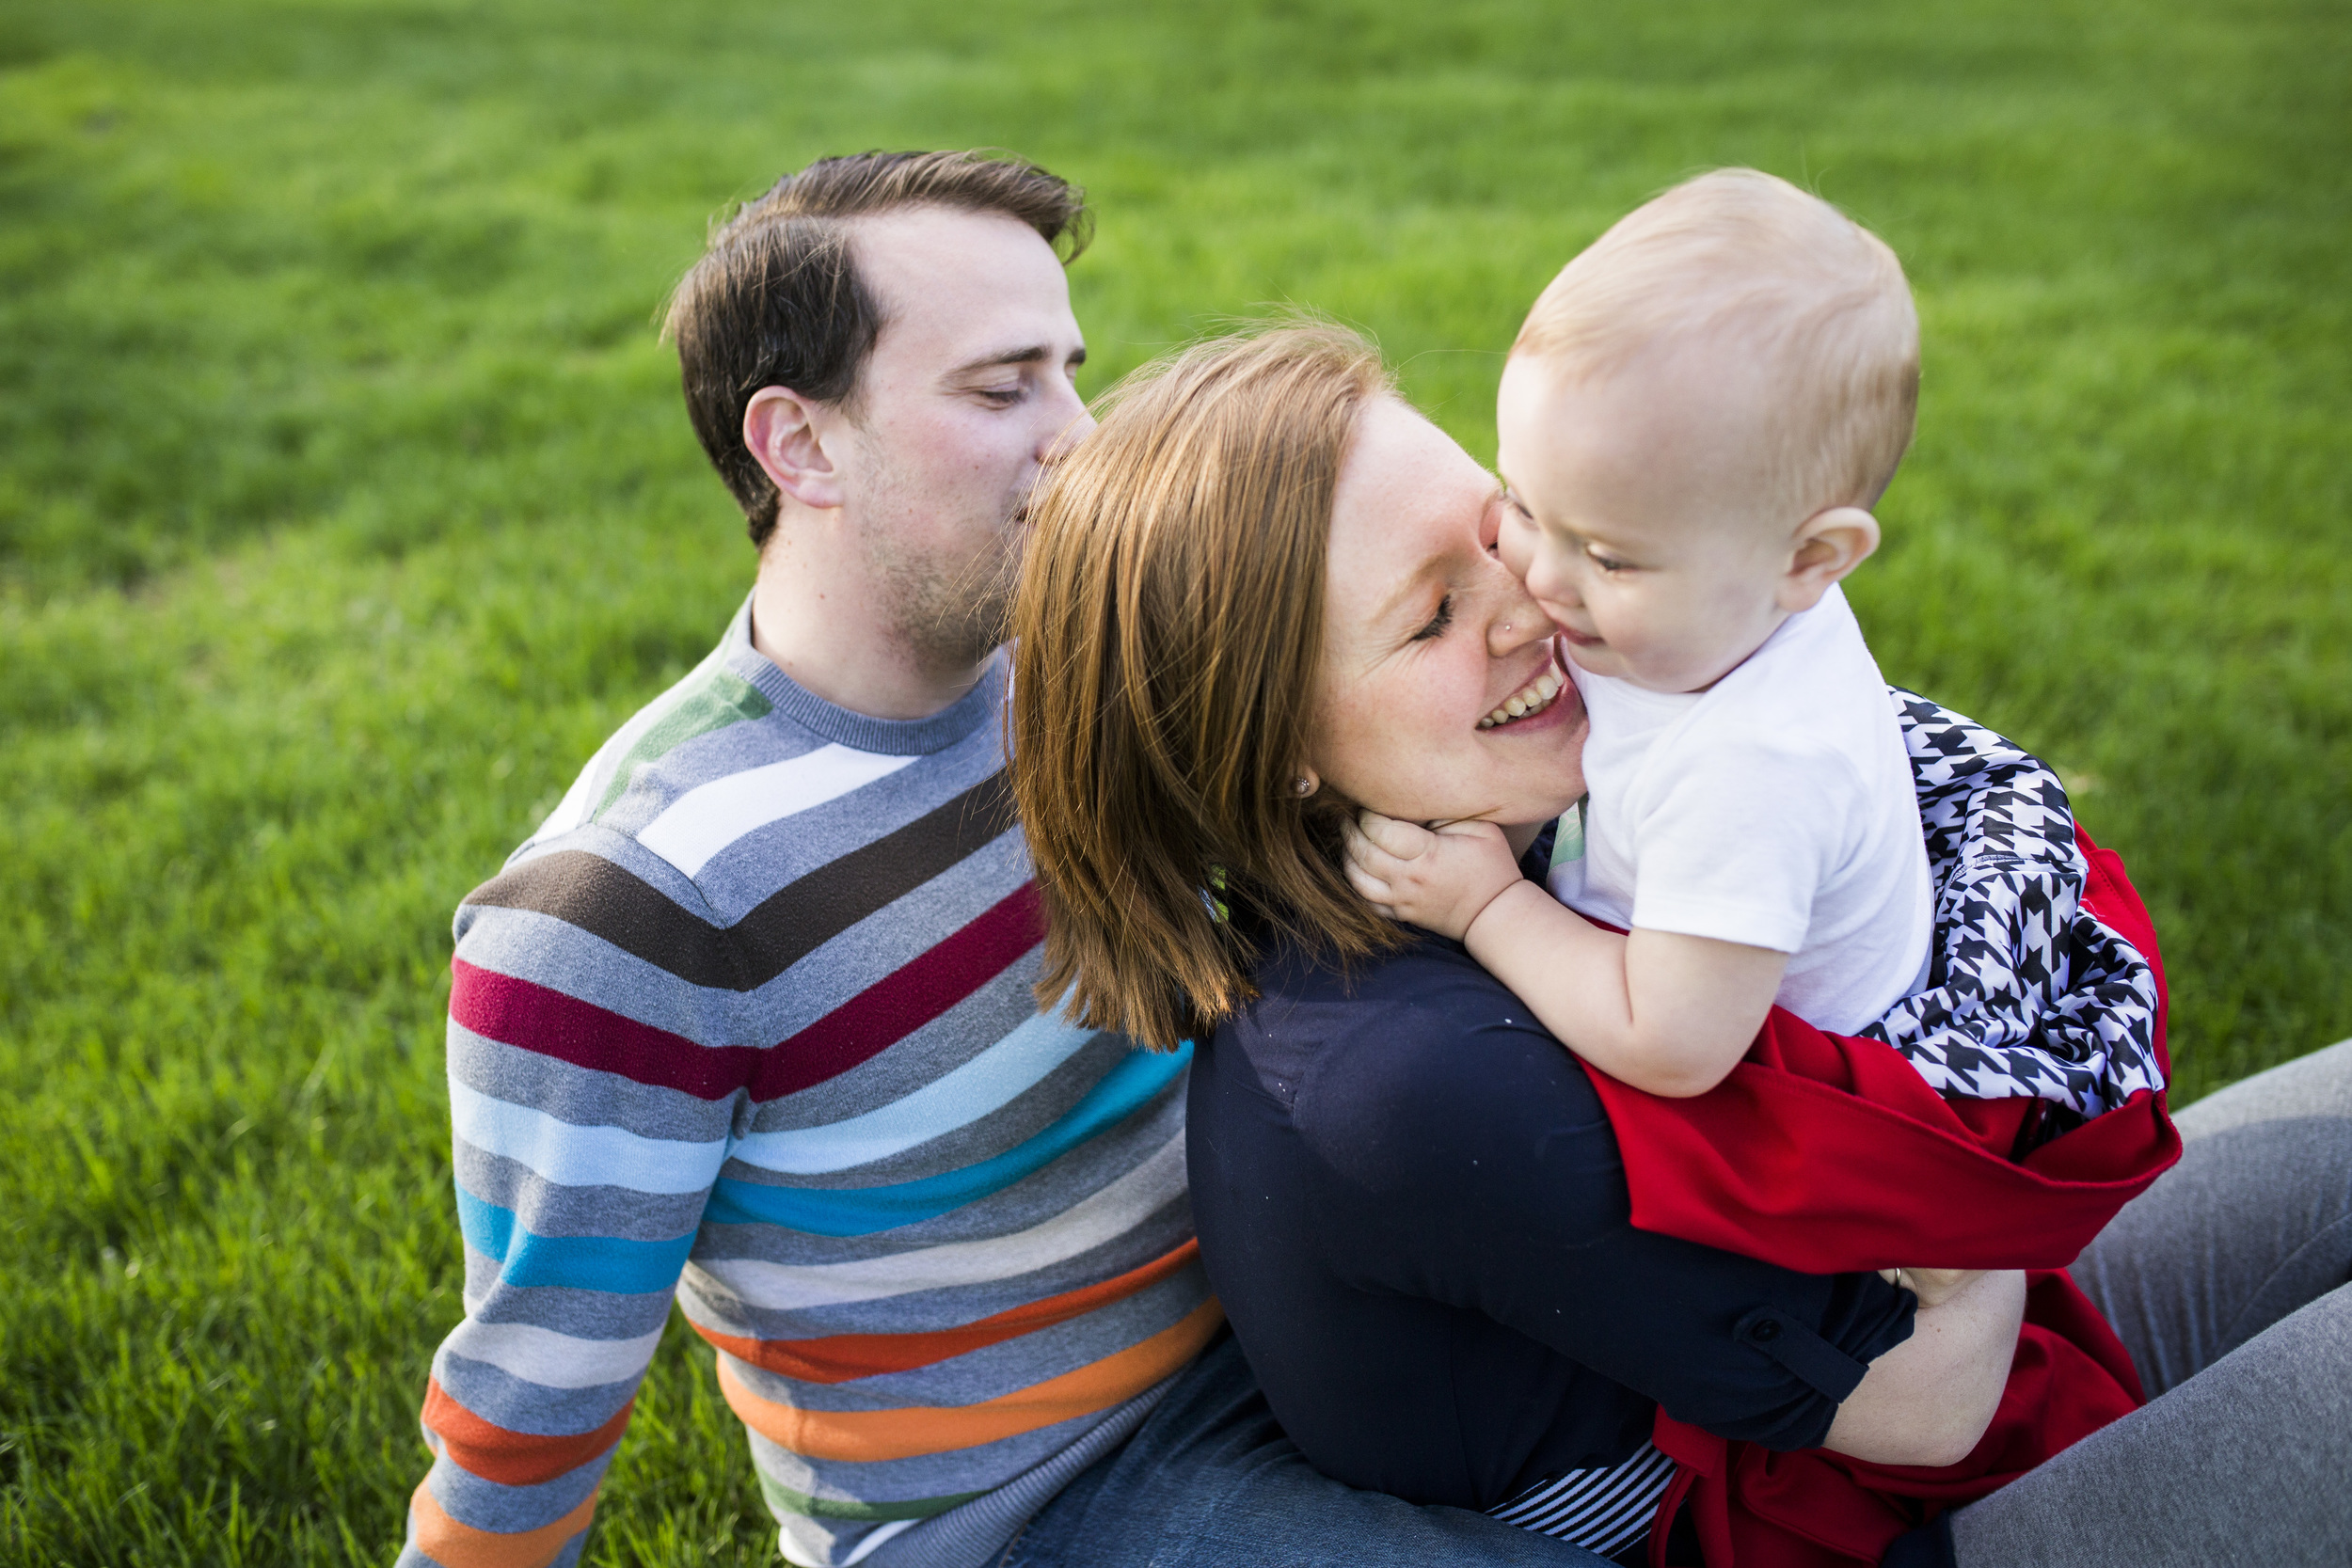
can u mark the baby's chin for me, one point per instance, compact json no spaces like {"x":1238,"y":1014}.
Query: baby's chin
{"x":1600,"y":660}
{"x":1594,"y":658}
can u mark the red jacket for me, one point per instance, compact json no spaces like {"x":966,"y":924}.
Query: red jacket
{"x":1829,"y":1153}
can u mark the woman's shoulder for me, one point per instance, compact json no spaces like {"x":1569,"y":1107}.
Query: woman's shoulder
{"x":1415,"y":1065}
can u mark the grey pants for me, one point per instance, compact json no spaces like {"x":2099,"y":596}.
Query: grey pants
{"x":2228,"y":1281}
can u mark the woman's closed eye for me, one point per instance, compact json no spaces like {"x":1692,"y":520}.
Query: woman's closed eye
{"x":1439,"y":622}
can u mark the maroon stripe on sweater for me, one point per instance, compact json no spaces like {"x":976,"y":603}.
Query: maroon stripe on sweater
{"x":538,"y":1019}
{"x":904,"y":1001}
{"x":551,"y":1022}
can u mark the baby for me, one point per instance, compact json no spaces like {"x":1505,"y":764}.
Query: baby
{"x":1694,"y":422}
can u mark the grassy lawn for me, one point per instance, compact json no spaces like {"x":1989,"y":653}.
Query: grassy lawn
{"x":346,"y":502}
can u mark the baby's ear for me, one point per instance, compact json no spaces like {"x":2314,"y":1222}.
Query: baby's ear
{"x":1830,"y":544}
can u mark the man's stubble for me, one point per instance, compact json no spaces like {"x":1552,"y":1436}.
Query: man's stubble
{"x":949,"y":614}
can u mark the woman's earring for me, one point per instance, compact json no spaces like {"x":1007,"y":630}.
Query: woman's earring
{"x":1305,"y":784}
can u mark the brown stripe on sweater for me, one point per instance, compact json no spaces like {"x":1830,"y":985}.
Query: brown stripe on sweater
{"x":599,"y":897}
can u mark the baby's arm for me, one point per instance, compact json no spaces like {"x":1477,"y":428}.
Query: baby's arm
{"x":1663,"y":1012}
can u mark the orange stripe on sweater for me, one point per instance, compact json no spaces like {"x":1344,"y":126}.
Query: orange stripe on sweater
{"x":458,"y":1545}
{"x":870,"y":1435}
{"x":843,"y":1356}
{"x":512,"y":1458}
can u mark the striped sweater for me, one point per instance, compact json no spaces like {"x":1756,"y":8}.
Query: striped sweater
{"x":748,"y":1023}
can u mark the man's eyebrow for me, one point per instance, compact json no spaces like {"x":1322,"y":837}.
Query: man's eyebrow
{"x":1034,"y":354}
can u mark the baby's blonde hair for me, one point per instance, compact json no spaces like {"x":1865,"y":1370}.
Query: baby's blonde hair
{"x":1819,"y":300}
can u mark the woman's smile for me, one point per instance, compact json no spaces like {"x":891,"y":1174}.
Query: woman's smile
{"x":1396,"y":730}
{"x":1530,"y":700}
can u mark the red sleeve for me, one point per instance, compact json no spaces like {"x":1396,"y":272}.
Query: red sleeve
{"x":1828,"y":1153}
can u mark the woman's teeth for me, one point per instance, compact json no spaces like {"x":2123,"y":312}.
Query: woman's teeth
{"x":1529,"y":698}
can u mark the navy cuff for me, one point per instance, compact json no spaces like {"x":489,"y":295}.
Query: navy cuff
{"x":1823,"y":1367}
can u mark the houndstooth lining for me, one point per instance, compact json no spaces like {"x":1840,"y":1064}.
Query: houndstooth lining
{"x":2027,"y":993}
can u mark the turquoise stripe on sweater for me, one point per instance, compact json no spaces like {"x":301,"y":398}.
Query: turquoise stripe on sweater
{"x":580,"y":1263}
{"x":863,"y":1210}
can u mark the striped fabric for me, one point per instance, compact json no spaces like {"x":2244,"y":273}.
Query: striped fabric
{"x":748,"y":1023}
{"x":1603,"y":1510}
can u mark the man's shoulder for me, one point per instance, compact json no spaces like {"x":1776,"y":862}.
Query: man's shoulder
{"x":734,"y":826}
{"x":734,"y":749}
{"x":694,"y":732}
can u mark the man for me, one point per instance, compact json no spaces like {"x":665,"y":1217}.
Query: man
{"x":748,"y":1023}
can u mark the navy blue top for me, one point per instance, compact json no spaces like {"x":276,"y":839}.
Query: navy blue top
{"x":1410,"y":1200}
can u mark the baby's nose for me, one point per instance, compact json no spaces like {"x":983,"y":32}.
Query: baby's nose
{"x":1549,"y":583}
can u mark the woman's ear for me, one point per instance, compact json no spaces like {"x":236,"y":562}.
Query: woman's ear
{"x":1830,"y":544}
{"x":787,"y":436}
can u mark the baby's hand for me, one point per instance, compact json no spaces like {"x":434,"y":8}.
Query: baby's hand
{"x":1439,"y":879}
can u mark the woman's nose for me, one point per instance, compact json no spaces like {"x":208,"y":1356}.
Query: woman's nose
{"x":1519,"y":621}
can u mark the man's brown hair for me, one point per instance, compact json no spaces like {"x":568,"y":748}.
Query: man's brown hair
{"x":1169,"y":642}
{"x":776,"y":299}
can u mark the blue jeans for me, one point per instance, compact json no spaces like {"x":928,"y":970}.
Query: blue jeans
{"x":1209,"y":1481}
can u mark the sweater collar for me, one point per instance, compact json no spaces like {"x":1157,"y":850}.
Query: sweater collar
{"x":897,"y":737}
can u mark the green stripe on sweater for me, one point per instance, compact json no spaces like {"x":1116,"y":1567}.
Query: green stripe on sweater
{"x":725,"y":699}
{"x":782,"y":1499}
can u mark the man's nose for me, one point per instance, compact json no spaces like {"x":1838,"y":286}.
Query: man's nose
{"x":1071,"y":433}
{"x":1072,"y":421}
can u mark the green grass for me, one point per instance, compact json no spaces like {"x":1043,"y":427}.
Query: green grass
{"x":346,"y":503}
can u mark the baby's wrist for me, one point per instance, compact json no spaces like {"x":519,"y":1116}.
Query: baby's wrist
{"x":1495,"y":907}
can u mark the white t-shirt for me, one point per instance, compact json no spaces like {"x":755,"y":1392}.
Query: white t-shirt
{"x":1775,"y":808}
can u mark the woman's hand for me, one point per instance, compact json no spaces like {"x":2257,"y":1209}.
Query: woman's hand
{"x":1440,"y":879}
{"x":1928,"y":1399}
{"x":1933,"y":1287}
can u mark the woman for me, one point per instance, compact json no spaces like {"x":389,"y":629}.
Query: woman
{"x":1263,"y":595}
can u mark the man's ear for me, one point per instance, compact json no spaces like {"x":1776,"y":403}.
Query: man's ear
{"x":1830,"y":544}
{"x":791,"y":438}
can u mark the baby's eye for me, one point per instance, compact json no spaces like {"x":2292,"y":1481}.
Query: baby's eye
{"x":1439,"y":622}
{"x":1609,"y":563}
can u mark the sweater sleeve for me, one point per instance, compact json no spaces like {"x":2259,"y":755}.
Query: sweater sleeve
{"x":588,"y":1129}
